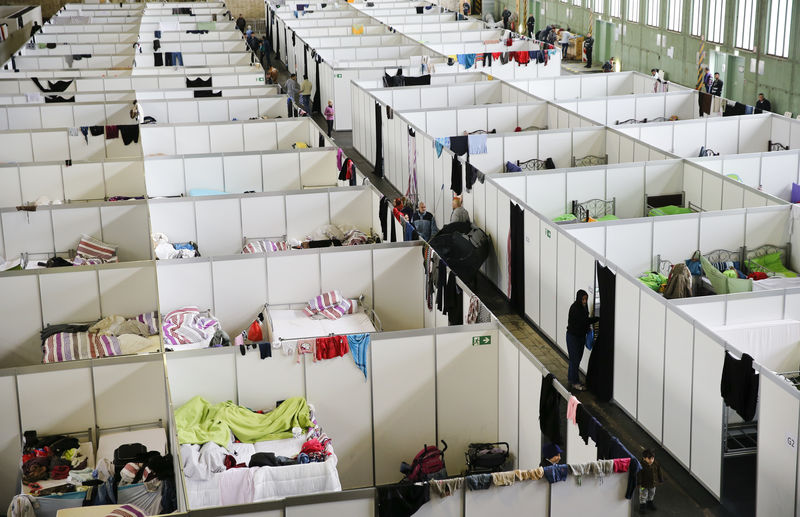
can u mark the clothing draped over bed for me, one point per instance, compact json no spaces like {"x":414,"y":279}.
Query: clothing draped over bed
{"x":199,"y":421}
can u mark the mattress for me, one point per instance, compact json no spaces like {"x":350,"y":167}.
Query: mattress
{"x":269,"y":483}
{"x":776,"y":282}
{"x":294,"y":324}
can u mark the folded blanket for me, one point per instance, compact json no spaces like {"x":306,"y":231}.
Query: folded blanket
{"x":199,"y":421}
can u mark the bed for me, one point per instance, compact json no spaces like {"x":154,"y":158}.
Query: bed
{"x":534,"y":164}
{"x":769,"y":259}
{"x":292,"y":322}
{"x":89,"y":252}
{"x":189,"y":328}
{"x":776,"y":146}
{"x":209,"y":483}
{"x":669,"y":204}
{"x":645,"y":120}
{"x":595,"y":209}
{"x":325,"y":236}
{"x":111,"y":336}
{"x":705,"y":151}
{"x":717,"y":260}
{"x":589,"y":160}
{"x":146,"y":497}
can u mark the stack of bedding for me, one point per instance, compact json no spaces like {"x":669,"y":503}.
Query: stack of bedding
{"x":112,"y":335}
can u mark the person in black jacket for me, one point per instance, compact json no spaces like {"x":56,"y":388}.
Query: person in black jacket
{"x":763,"y":104}
{"x":241,"y":23}
{"x":588,"y":45}
{"x":577,"y":328}
{"x":649,"y":476}
{"x":716,"y":86}
{"x":531,"y":23}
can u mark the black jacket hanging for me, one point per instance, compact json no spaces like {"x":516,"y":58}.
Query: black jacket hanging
{"x":470,"y":175}
{"x":317,"y":103}
{"x":455,"y":176}
{"x":402,"y":500}
{"x":378,"y":142}
{"x":517,"y":258}
{"x":459,"y":144}
{"x":600,"y":373}
{"x":129,"y":133}
{"x":739,"y":385}
{"x":453,"y":301}
{"x":550,"y":411}
{"x":305,"y":60}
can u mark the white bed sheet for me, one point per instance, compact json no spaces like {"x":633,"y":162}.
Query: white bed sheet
{"x":271,"y":482}
{"x":776,"y":282}
{"x":775,"y":344}
{"x":293,"y":324}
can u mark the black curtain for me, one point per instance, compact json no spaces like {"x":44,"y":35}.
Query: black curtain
{"x":305,"y":60}
{"x":517,"y":258}
{"x":600,"y":374}
{"x":317,"y":105}
{"x":378,"y":142}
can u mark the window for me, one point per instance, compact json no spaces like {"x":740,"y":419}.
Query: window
{"x":577,"y":2}
{"x":716,"y":21}
{"x":633,"y":10}
{"x":745,"y":23}
{"x":614,"y":8}
{"x":697,"y":18}
{"x":779,"y":27}
{"x":653,"y":12}
{"x":598,"y":6}
{"x":675,"y":15}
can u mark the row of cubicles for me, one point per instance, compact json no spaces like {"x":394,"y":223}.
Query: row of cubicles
{"x":267,"y":186}
{"x":609,"y":143}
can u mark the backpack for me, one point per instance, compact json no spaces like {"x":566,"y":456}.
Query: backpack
{"x":426,"y":464}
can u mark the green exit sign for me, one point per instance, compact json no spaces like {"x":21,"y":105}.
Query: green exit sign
{"x":338,"y":76}
{"x":481,"y":340}
{"x":547,"y":232}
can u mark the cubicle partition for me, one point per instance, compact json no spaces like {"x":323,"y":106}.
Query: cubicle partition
{"x":588,"y":86}
{"x":773,"y":172}
{"x":634,"y":109}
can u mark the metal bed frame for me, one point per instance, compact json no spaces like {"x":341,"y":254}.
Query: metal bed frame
{"x":534,"y":164}
{"x":593,"y":208}
{"x":590,"y":159}
{"x":643,"y":121}
{"x":766,"y":249}
{"x":776,"y":146}
{"x":705,"y":151}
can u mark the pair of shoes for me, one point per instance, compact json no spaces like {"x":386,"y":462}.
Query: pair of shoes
{"x":651,"y":506}
{"x":642,"y":510}
{"x":578,"y":387}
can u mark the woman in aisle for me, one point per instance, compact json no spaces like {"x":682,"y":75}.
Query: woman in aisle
{"x":329,"y":114}
{"x":578,"y":324}
{"x":460,"y":214}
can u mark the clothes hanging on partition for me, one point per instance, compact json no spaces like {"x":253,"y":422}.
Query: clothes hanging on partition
{"x":96,"y":130}
{"x":466,"y":60}
{"x":455,"y":176}
{"x":477,"y":143}
{"x":453,"y":301}
{"x":359,"y":347}
{"x":402,"y":500}
{"x":441,"y":282}
{"x":207,"y":93}
{"x":739,"y":385}
{"x":419,"y":80}
{"x":378,"y":141}
{"x":317,"y":102}
{"x":600,"y":373}
{"x":516,"y":258}
{"x":198,"y":82}
{"x":58,"y":86}
{"x":411,"y":189}
{"x":129,"y":133}
{"x":459,"y":145}
{"x":112,"y":132}
{"x":158,"y":59}
{"x":57,"y":98}
{"x":440,"y":143}
{"x":470,"y":175}
{"x":587,"y":424}
{"x":383,"y":207}
{"x":550,"y":410}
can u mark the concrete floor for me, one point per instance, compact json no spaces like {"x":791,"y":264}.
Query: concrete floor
{"x":680,"y":495}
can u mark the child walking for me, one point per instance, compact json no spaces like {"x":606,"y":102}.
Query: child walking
{"x":329,"y":113}
{"x":648,"y":477}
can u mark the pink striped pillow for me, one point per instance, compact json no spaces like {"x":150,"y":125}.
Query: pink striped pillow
{"x":325,"y":300}
{"x":89,"y":247}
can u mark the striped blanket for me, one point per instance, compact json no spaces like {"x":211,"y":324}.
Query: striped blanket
{"x":186,"y":326}
{"x":66,"y":346}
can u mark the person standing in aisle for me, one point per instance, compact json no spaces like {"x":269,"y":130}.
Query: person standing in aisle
{"x":578,"y":323}
{"x":506,"y":17}
{"x":460,"y":214}
{"x":291,"y":88}
{"x":305,"y":94}
{"x":241,"y":23}
{"x":329,"y":114}
{"x":648,"y":477}
{"x":763,"y":104}
{"x":566,"y":35}
{"x":716,"y":86}
{"x":588,"y":45}
{"x":531,"y":25}
{"x":707,"y":80}
{"x":424,"y":222}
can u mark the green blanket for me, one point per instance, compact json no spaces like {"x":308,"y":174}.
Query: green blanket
{"x":564,"y":217}
{"x":669,"y":210}
{"x":653,"y":280}
{"x":199,"y":421}
{"x":609,"y":217}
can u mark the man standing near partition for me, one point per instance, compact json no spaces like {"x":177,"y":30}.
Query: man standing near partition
{"x":291,"y":88}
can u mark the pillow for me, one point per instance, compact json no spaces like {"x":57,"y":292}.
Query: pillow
{"x":325,"y":300}
{"x":126,"y":510}
{"x":95,"y":248}
{"x":513,"y":167}
{"x":150,"y":319}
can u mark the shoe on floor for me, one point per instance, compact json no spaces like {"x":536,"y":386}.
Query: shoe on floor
{"x":651,"y":506}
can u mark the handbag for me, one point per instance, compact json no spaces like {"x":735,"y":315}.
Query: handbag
{"x":694,"y":265}
{"x":590,"y":339}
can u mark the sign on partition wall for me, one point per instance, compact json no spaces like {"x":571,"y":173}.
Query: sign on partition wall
{"x":481,"y":340}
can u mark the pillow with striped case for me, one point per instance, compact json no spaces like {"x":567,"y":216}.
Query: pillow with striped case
{"x":89,"y":247}
{"x":325,"y":300}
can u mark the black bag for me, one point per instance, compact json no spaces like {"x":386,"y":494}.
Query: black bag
{"x":464,"y":248}
{"x":487,"y":457}
{"x":130,"y":452}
